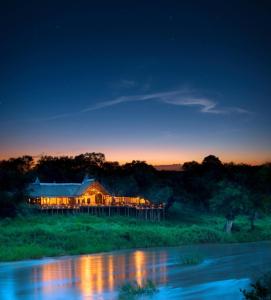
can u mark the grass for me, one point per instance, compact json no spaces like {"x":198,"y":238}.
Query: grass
{"x":131,"y":290}
{"x":192,"y":259}
{"x":39,"y":236}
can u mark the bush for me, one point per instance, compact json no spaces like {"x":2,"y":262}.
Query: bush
{"x":132,"y":289}
{"x":192,"y":259}
{"x":260,"y":289}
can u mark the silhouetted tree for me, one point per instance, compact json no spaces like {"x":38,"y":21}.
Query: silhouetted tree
{"x":230,"y":200}
{"x":14,"y":178}
{"x":212,"y":161}
{"x":197,"y":184}
{"x":159,"y":194}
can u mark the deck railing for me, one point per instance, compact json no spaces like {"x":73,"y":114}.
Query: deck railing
{"x":152,"y":212}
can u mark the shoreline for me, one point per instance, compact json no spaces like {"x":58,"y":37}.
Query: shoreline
{"x":37,"y":237}
{"x":113,"y":252}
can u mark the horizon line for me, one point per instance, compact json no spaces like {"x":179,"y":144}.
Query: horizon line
{"x":149,"y":162}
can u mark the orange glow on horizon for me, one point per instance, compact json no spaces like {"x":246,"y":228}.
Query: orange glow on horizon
{"x":154,"y":156}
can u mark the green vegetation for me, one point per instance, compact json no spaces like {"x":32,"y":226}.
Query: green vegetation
{"x":260,"y":289}
{"x":231,"y":200}
{"x":133,"y":289}
{"x":37,"y":236}
{"x":210,"y":186}
{"x":192,"y":259}
{"x":208,"y":202}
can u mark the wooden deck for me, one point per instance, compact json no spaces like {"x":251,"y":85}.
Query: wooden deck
{"x":151,"y":213}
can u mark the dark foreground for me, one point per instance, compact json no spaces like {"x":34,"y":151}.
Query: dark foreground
{"x":224,"y":270}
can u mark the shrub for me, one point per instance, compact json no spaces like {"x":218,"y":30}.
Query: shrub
{"x":193,"y":259}
{"x":132,"y":289}
{"x":260,"y":289}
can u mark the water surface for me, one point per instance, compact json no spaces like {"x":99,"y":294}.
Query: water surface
{"x":225,"y":269}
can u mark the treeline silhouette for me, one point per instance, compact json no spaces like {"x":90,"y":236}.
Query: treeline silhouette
{"x":225,"y":188}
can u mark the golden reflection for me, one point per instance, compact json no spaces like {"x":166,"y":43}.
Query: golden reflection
{"x":100,"y":281}
{"x":95,"y":274}
{"x":85,"y":275}
{"x":55,"y":273}
{"x":111,"y":273}
{"x":139,"y":258}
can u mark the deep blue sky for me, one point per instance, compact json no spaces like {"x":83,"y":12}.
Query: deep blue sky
{"x":162,"y":81}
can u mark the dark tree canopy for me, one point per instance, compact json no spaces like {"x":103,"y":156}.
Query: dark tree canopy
{"x":212,"y":161}
{"x":199,"y":185}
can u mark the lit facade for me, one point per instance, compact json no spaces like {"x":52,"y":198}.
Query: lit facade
{"x":72,"y":195}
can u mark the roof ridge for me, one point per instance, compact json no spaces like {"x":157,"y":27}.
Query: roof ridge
{"x":65,"y":189}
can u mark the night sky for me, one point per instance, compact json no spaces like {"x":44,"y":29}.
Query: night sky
{"x":161,"y":81}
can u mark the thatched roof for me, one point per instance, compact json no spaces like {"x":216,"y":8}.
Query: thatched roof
{"x":39,"y":189}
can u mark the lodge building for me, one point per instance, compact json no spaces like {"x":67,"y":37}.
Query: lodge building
{"x":89,"y":196}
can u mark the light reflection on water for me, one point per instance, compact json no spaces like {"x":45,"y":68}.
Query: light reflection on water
{"x":226,"y":269}
{"x":90,"y":275}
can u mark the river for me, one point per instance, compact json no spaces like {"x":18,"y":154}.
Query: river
{"x":224,"y":270}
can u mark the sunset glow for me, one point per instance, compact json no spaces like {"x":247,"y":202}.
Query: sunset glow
{"x":135,"y":150}
{"x":156,"y":156}
{"x":75,"y":89}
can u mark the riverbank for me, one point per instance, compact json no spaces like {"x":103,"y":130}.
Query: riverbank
{"x":45,"y":235}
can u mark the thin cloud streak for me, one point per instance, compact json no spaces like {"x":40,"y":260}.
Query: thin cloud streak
{"x":124,"y":84}
{"x":45,"y":119}
{"x":56,"y":117}
{"x":178,"y":98}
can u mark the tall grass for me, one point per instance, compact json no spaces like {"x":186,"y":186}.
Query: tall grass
{"x":192,"y":259}
{"x":46,"y":235}
{"x":131,"y":290}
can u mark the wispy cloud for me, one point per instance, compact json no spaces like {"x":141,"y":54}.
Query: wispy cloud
{"x":177,"y":97}
{"x":182,"y":97}
{"x":123,"y":84}
{"x":59,"y":116}
{"x":42,"y":119}
{"x":53,"y":117}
